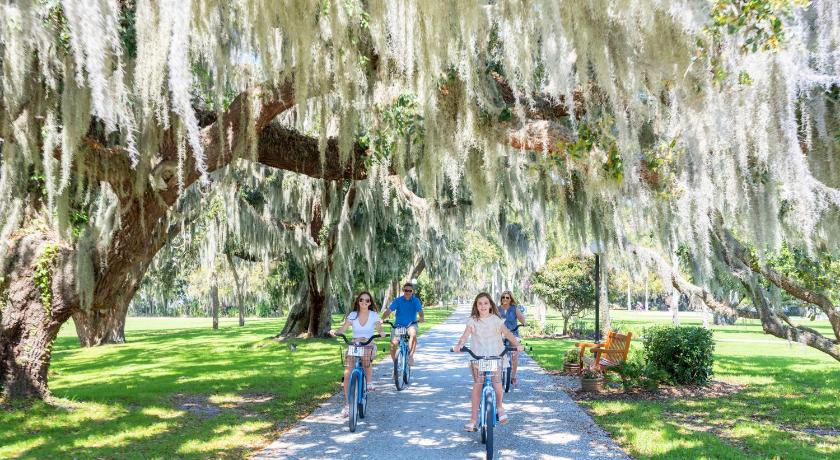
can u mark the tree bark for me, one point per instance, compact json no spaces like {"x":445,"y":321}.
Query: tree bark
{"x":238,"y":285}
{"x":29,"y":326}
{"x":214,"y":304}
{"x":310,"y":316}
{"x":101,"y":326}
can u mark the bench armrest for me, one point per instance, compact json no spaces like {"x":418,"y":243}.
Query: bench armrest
{"x":587,"y":344}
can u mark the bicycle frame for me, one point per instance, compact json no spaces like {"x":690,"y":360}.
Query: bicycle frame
{"x":357,"y":401}
{"x":403,"y":356}
{"x":487,"y":388}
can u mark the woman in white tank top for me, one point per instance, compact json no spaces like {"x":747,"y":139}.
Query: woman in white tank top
{"x":364,"y":319}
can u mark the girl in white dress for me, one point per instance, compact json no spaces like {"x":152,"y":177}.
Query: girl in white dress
{"x":485,"y":329}
{"x":364,"y":319}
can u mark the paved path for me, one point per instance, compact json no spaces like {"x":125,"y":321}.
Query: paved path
{"x":425,"y":420}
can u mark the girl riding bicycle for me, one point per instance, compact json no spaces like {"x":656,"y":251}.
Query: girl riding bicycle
{"x":364,"y":319}
{"x":485,"y":329}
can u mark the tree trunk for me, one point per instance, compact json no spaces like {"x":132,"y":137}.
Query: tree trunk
{"x":214,"y":304}
{"x":673,"y":301}
{"x":29,"y":327}
{"x":565,"y":325}
{"x":239,"y":297}
{"x":647,"y":289}
{"x":310,"y":316}
{"x":100,"y":326}
{"x":629,"y":308}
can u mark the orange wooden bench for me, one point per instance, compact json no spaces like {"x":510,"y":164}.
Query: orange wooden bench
{"x":608,"y":354}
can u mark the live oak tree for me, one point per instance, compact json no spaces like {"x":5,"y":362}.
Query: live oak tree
{"x":653,"y":116}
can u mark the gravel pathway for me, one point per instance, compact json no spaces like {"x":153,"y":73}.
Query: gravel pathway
{"x":425,"y":420}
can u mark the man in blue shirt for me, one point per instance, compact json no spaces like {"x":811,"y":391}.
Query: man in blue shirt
{"x":406,"y":308}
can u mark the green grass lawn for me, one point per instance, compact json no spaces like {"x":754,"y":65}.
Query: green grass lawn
{"x":130,"y":400}
{"x":790,"y":391}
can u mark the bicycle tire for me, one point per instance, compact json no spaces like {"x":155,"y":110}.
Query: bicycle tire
{"x":482,"y":416}
{"x":399,"y":368}
{"x":507,"y":379}
{"x":490,"y":416}
{"x":363,"y":400}
{"x":407,"y":371}
{"x":352,"y":395}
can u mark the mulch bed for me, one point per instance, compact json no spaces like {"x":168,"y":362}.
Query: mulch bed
{"x":715,"y":389}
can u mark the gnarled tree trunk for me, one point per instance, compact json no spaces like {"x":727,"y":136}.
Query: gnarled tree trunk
{"x":310,"y":316}
{"x":40,"y":299}
{"x":100,"y":326}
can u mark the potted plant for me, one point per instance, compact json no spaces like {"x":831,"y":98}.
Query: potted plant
{"x":571,"y":362}
{"x":591,"y":380}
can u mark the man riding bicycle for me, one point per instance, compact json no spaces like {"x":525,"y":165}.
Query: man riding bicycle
{"x":406,"y":307}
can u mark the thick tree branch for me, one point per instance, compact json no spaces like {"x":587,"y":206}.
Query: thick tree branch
{"x":787,"y":284}
{"x":770,"y":321}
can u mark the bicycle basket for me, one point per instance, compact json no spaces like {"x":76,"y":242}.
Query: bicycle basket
{"x":489,"y":365}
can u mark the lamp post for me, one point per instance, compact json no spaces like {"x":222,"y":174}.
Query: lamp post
{"x":596,"y":247}
{"x":597,"y":297}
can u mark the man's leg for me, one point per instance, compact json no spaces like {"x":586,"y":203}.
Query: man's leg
{"x":412,"y":343}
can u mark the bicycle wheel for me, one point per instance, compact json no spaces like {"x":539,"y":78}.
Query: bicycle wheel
{"x":490,"y":417}
{"x":506,"y":381}
{"x":363,"y":400}
{"x":407,"y":371}
{"x":399,"y":369}
{"x":352,"y":398}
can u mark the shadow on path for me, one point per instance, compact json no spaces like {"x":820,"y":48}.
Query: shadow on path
{"x":426,"y":419}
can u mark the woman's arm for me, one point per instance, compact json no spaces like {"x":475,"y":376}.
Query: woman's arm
{"x":511,"y":338}
{"x":519,"y":315}
{"x":343,"y":328}
{"x":378,"y":326}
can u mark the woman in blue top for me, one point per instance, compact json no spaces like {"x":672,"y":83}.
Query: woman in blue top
{"x":511,"y":313}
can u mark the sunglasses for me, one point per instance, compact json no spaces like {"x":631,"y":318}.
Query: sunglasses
{"x":505,"y":296}
{"x":407,"y":290}
{"x":364,"y":300}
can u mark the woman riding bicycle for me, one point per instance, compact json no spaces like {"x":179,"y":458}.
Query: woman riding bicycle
{"x":485,"y":329}
{"x":511,"y":313}
{"x":364,"y":319}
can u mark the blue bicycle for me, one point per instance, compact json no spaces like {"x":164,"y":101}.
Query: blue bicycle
{"x":507,"y":377}
{"x":487,"y":404}
{"x":357,"y":389}
{"x":402,"y":361}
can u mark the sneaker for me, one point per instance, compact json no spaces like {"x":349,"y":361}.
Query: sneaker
{"x":346,"y":411}
{"x":371,"y":388}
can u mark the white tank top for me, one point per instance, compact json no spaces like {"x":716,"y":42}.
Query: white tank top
{"x":363,"y":331}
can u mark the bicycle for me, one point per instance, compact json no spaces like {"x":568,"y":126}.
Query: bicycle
{"x":487,"y":404}
{"x":357,"y":389}
{"x":506,"y":379}
{"x":402,"y":361}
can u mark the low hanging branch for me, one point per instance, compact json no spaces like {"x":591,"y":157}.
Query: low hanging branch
{"x":789,"y":285}
{"x":734,"y":253}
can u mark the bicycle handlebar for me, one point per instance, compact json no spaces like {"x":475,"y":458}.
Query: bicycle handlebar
{"x":467,"y":350}
{"x":408,"y":325}
{"x":517,"y":327}
{"x":349,"y":342}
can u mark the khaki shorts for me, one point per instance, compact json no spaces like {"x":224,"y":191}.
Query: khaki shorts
{"x":478,"y":376}
{"x":370,"y":355}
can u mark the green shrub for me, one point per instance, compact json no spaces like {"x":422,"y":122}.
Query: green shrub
{"x":572,"y":356}
{"x":685,"y":354}
{"x":636,"y":371}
